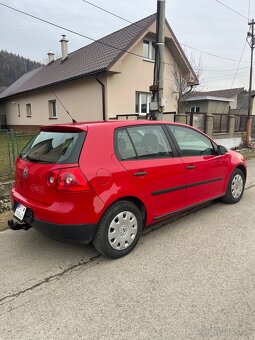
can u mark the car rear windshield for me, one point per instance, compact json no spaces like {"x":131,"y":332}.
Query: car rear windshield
{"x":54,"y":147}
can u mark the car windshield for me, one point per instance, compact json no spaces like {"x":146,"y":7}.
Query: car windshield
{"x":54,"y":147}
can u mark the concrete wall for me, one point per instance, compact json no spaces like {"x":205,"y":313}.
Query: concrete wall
{"x":218,"y":107}
{"x":203,"y":105}
{"x":82,"y":98}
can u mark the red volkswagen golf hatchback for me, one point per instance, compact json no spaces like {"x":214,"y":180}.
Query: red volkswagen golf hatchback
{"x":103,"y":182}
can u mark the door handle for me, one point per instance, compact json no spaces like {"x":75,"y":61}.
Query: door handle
{"x":190,"y":167}
{"x":140,"y":173}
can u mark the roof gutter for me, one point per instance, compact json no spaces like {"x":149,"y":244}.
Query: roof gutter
{"x":103,"y":97}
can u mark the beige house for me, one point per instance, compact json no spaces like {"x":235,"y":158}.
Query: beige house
{"x":109,"y":77}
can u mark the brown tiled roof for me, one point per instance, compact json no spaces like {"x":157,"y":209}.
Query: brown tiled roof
{"x":94,"y":58}
{"x":227,"y":93}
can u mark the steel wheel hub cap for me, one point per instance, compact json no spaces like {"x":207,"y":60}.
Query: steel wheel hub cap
{"x":122,"y":230}
{"x":237,"y":186}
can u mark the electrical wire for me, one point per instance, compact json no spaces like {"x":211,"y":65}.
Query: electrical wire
{"x":70,"y":31}
{"x":130,"y":22}
{"x":238,"y":65}
{"x":98,"y":41}
{"x":232,"y":9}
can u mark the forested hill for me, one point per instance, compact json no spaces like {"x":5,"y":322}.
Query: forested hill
{"x":13,"y":66}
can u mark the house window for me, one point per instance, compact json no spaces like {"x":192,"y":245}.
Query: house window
{"x":142,"y":104}
{"x":18,"y":110}
{"x":195,"y":109}
{"x":52,"y":109}
{"x":28,"y":109}
{"x":149,"y":49}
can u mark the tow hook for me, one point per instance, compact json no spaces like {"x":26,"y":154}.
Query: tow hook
{"x":18,"y":226}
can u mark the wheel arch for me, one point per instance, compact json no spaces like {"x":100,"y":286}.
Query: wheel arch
{"x":243,"y":169}
{"x":136,"y":201}
{"x":140,"y":205}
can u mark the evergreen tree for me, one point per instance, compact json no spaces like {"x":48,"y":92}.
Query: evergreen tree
{"x":13,"y":66}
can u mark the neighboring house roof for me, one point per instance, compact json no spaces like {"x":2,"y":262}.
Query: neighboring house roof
{"x":94,"y":58}
{"x":220,"y":99}
{"x":19,"y":84}
{"x":227,"y":93}
{"x":2,"y":88}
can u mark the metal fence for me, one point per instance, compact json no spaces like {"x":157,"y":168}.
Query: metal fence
{"x":220,"y":122}
{"x":11,"y":143}
{"x":240,"y":123}
{"x":196,"y":119}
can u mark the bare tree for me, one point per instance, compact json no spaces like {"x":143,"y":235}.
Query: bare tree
{"x":184,"y":86}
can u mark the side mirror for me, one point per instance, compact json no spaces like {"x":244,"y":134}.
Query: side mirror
{"x":221,"y":150}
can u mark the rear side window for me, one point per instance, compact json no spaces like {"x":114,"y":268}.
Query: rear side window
{"x":142,"y":142}
{"x":54,"y":147}
{"x":123,"y":145}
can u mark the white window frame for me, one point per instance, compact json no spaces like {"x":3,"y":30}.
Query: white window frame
{"x":149,"y":57}
{"x":148,"y":100}
{"x":51,"y":113}
{"x":196,"y":109}
{"x":29,"y":110}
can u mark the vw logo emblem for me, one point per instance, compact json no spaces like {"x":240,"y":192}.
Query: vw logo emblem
{"x":25,"y":172}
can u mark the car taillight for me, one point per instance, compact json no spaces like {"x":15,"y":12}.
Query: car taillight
{"x":52,"y":178}
{"x":71,"y":179}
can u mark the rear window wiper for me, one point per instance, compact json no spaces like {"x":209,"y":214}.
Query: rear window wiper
{"x":36,"y":160}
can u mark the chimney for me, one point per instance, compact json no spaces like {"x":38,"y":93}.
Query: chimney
{"x":64,"y":47}
{"x":51,"y":57}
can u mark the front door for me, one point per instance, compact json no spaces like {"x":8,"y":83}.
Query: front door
{"x":205,"y":169}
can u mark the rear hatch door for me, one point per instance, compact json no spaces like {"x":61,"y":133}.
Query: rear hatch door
{"x":47,"y":151}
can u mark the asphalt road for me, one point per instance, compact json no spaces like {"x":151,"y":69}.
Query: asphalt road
{"x":193,"y":278}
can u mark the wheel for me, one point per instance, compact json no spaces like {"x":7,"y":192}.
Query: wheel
{"x":235,"y":187}
{"x":119,"y":230}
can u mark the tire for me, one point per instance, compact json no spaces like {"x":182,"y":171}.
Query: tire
{"x":235,"y":187}
{"x":119,"y":230}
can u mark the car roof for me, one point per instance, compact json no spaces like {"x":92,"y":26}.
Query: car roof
{"x":113,"y":123}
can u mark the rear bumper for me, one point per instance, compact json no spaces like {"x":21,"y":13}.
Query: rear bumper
{"x":79,"y":233}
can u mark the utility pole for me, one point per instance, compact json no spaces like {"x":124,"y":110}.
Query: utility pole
{"x":158,"y":101}
{"x":252,"y":45}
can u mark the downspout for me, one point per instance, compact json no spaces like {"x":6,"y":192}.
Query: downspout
{"x":103,"y":97}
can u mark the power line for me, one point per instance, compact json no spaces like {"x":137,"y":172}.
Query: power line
{"x":238,"y":64}
{"x":232,"y":9}
{"x":71,"y":31}
{"x":98,"y":41}
{"x":220,"y":70}
{"x":109,"y":12}
{"x":130,"y":22}
{"x":212,"y":54}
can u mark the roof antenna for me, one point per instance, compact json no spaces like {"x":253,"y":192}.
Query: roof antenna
{"x":69,"y":114}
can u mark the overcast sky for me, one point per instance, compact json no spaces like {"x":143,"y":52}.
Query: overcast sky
{"x":205,"y":25}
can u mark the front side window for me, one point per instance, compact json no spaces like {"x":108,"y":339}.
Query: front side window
{"x":29,"y":110}
{"x":143,"y":100}
{"x":191,"y":142}
{"x":52,"y":109}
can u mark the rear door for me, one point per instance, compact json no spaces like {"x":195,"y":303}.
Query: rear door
{"x":153,"y":166}
{"x":47,"y":151}
{"x":205,"y":169}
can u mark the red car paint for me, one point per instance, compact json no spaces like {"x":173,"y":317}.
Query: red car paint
{"x":79,"y":193}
